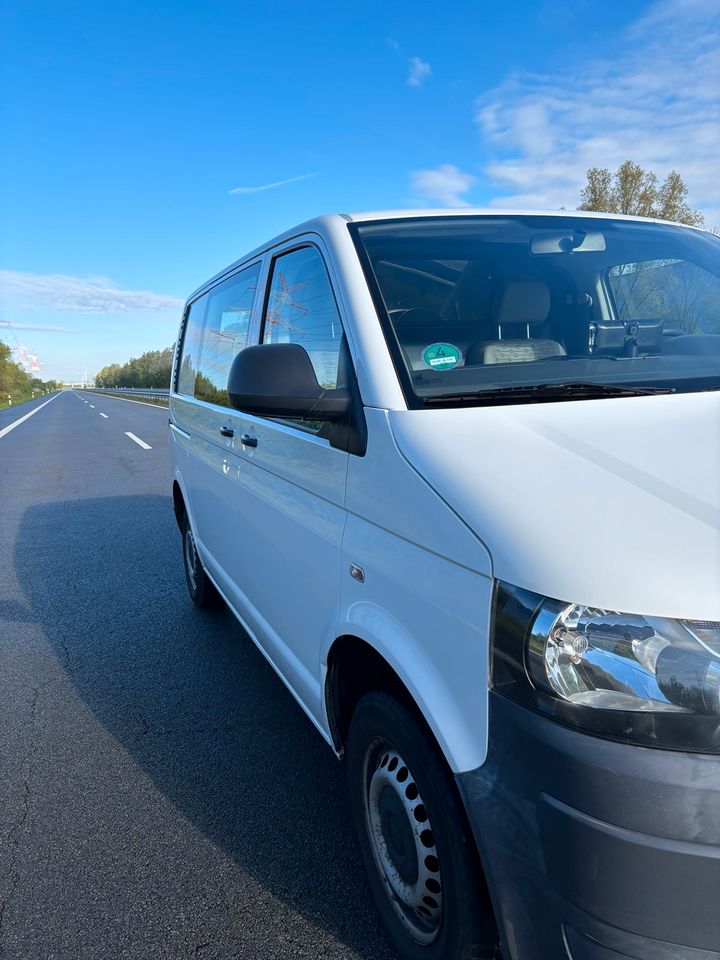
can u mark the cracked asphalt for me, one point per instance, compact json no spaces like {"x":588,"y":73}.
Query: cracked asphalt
{"x":161,"y":794}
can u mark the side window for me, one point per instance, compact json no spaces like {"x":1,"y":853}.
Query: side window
{"x":225,"y":333}
{"x":678,"y":292}
{"x":301,"y":309}
{"x":187,"y":367}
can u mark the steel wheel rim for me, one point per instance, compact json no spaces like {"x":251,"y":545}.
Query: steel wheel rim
{"x":415,"y":894}
{"x":191,"y":559}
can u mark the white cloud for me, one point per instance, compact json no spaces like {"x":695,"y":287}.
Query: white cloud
{"x":445,"y":185}
{"x":418,"y":71}
{"x":45,"y":327}
{"x":654,"y":100}
{"x":96,"y":295}
{"x":270,"y":186}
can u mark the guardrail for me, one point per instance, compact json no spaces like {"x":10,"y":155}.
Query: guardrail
{"x":149,"y":392}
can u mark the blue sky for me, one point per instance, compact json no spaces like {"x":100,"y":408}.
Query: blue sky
{"x":134,"y":135}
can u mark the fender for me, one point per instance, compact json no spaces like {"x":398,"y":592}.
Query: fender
{"x":461,"y":733}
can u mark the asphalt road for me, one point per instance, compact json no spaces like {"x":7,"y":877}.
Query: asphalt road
{"x":161,"y":794}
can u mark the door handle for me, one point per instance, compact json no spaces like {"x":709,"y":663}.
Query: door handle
{"x":227,"y":431}
{"x":247,"y":441}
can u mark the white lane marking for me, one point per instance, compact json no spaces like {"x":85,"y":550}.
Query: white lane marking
{"x":92,"y":406}
{"x":138,"y":441}
{"x":144,"y":403}
{"x":104,"y":415}
{"x":27,"y":416}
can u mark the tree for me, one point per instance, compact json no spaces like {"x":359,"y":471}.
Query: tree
{"x":633,"y":190}
{"x":15,"y":384}
{"x":151,"y":369}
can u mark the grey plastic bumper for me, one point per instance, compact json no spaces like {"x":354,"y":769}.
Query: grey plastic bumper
{"x":596,"y":850}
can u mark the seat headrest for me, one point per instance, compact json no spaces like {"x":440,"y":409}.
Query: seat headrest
{"x":523,"y":301}
{"x":416,"y":316}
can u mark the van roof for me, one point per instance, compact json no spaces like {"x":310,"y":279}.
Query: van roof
{"x":321,"y":224}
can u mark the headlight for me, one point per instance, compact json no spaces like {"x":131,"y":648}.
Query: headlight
{"x":621,"y":661}
{"x":631,"y":677}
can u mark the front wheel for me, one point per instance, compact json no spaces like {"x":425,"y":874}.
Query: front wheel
{"x":420,"y":857}
{"x":201,"y":589}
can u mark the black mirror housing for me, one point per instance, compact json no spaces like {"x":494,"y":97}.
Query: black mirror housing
{"x":278,"y":380}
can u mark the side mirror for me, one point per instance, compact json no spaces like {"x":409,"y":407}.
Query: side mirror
{"x":278,"y":380}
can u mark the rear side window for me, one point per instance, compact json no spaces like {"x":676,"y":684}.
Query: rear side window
{"x":187,"y":370}
{"x":215,"y":334}
{"x":301,"y":309}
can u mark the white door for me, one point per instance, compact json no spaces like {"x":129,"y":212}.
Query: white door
{"x":291,"y":509}
{"x":213,"y":460}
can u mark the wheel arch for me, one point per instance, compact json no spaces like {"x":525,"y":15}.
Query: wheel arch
{"x":354,"y":668}
{"x":355,"y":665}
{"x":182,"y":506}
{"x":179,"y":505}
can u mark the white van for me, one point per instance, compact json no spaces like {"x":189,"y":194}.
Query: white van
{"x":458,"y":476}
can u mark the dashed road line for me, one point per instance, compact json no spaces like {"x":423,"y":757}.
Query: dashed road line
{"x":145,"y":403}
{"x":138,"y":441}
{"x":92,"y":406}
{"x":104,"y":415}
{"x":16,"y":423}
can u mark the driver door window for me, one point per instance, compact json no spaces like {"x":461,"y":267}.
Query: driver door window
{"x":301,"y":309}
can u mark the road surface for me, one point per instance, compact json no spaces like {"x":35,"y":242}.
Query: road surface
{"x":161,"y":794}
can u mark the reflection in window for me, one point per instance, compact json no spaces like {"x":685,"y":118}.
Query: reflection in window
{"x":681,"y":294}
{"x":225,"y":333}
{"x":191,"y":347}
{"x":301,"y":309}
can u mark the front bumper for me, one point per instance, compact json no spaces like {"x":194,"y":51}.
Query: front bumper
{"x":595,"y":850}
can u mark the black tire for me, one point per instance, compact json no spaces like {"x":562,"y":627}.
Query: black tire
{"x":418,"y":843}
{"x":201,"y":589}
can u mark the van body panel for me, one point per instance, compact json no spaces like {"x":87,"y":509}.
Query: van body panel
{"x":613,"y":503}
{"x":387,"y":490}
{"x":211,"y":470}
{"x":411,"y":593}
{"x":291,"y":516}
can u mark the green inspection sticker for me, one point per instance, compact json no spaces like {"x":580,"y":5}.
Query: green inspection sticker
{"x":441,"y":356}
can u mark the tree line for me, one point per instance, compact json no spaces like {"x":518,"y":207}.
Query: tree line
{"x":635,"y":191}
{"x":150,"y":369}
{"x":16,"y":385}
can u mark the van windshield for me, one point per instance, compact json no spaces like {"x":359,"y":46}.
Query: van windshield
{"x":482,"y":309}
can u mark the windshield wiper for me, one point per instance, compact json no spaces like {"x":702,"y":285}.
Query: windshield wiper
{"x":539,"y":392}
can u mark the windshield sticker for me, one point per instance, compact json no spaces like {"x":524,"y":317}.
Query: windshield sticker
{"x":441,"y":356}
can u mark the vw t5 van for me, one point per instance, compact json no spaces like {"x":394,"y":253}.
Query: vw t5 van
{"x":458,"y":476}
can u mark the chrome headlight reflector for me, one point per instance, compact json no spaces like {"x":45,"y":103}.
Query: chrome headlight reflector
{"x":645,"y":679}
{"x":619,"y":661}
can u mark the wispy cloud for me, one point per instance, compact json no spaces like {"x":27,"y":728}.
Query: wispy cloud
{"x":445,"y":185}
{"x":655,"y":101}
{"x":46,"y":327}
{"x":418,"y":72}
{"x":277,"y":183}
{"x":97,"y":295}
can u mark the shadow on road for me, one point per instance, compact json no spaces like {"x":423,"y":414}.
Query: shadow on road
{"x":195,"y":705}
